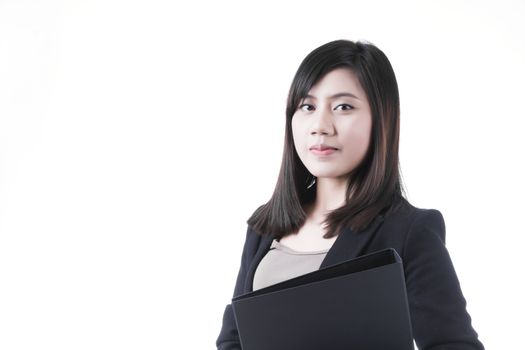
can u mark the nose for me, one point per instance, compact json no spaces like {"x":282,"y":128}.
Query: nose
{"x":322,"y":123}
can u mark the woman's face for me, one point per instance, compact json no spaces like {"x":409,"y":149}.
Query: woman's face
{"x":327,"y":117}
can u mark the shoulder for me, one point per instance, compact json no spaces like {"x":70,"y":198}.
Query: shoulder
{"x":251,"y":241}
{"x":408,"y":228}
{"x":410,"y":216}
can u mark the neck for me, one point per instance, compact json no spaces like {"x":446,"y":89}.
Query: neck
{"x":330,"y":195}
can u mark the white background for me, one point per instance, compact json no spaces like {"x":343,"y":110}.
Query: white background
{"x":137,"y":137}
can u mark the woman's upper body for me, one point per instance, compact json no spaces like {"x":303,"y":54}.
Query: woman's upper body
{"x":437,"y":306}
{"x":342,"y":129}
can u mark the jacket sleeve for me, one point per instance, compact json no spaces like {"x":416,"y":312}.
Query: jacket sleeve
{"x":438,"y":312}
{"x":228,"y":338}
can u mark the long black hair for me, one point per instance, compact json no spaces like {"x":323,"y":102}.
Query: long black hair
{"x":375,"y":187}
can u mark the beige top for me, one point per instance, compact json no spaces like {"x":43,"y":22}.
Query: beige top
{"x":282,"y":263}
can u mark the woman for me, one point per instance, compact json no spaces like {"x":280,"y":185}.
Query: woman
{"x":339,"y":195}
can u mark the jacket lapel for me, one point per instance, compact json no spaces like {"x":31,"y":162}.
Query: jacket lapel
{"x":350,"y":244}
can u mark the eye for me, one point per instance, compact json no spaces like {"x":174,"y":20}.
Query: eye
{"x":304,"y":104}
{"x":346,"y":105}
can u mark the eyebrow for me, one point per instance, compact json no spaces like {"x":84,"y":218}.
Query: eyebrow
{"x":339,"y":94}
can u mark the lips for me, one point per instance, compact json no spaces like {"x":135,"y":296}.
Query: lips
{"x":322,"y":147}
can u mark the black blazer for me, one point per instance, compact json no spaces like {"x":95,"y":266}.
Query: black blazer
{"x":438,"y":312}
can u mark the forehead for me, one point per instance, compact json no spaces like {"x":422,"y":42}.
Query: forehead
{"x":335,"y":81}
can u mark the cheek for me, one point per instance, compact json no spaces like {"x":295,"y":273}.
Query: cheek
{"x":297,"y":133}
{"x":357,"y":138}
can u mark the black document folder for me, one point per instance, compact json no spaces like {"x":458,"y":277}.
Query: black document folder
{"x":359,"y":304}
